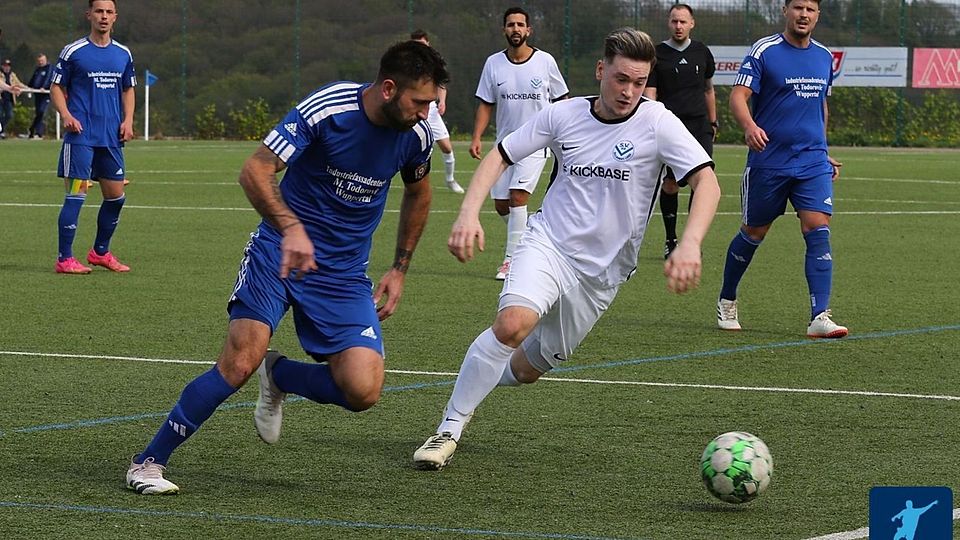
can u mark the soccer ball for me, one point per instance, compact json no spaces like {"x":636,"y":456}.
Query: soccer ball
{"x":736,"y":467}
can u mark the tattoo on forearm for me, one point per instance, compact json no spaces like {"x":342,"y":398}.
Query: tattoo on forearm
{"x":401,"y":261}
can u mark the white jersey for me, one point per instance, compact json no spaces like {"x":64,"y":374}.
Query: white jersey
{"x":519,"y":90}
{"x":610,"y":173}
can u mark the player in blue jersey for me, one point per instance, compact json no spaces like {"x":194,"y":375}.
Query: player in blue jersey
{"x":340,"y":147}
{"x":93,"y":90}
{"x":786,"y":78}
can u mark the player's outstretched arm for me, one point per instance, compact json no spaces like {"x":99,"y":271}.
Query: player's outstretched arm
{"x":414,"y":209}
{"x":684,"y":265}
{"x":467,"y":229}
{"x":259,"y":181}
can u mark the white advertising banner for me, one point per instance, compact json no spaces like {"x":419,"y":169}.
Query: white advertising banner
{"x":852,"y":66}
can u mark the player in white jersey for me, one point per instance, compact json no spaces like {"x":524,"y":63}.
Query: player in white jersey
{"x":583,"y":244}
{"x":440,"y":134}
{"x":519,"y":81}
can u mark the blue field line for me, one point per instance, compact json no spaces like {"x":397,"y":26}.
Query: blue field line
{"x":224,"y":407}
{"x":302,"y":522}
{"x":619,"y":363}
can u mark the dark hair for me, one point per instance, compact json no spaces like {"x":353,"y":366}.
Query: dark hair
{"x":407,"y":62}
{"x":514,"y":11}
{"x":681,"y":6}
{"x":114,"y":3}
{"x":629,"y":43}
{"x":419,"y":34}
{"x":787,"y":2}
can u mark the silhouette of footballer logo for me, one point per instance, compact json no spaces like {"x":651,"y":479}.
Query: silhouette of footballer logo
{"x":911,"y":513}
{"x":536,"y":82}
{"x":623,"y":151}
{"x":909,"y":518}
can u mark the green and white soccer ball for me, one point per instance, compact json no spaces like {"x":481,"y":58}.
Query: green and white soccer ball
{"x":736,"y":467}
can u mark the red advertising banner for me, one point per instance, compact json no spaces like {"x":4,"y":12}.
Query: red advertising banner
{"x":936,"y":68}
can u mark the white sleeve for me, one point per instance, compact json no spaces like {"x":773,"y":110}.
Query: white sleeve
{"x":486,"y":88}
{"x":677,"y":148}
{"x":558,"y":87}
{"x":536,"y":134}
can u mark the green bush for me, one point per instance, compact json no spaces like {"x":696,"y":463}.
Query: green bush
{"x":209,"y":125}
{"x":253,"y":121}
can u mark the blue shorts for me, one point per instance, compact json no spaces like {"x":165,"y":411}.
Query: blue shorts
{"x":331,"y":313}
{"x":91,"y":162}
{"x":764,"y":192}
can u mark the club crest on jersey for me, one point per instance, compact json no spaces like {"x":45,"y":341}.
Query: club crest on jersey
{"x":623,"y":151}
{"x":536,"y":82}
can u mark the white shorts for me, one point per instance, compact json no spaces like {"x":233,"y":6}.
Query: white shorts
{"x":523,"y":174}
{"x":437,"y":127}
{"x":568,"y":302}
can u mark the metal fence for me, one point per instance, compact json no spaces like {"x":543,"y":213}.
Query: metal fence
{"x":231,"y":53}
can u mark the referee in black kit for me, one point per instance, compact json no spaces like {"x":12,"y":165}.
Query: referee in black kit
{"x":682,"y":79}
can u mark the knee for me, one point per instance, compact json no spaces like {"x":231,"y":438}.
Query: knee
{"x":236,"y":369}
{"x":510,"y":331}
{"x":362,"y":396}
{"x":670,"y":187}
{"x":518,"y":197}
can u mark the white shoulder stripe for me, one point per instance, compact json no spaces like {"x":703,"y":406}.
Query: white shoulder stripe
{"x":124,"y":47}
{"x":309,"y":110}
{"x":315,"y":118}
{"x":420,"y":128}
{"x":327,"y":92}
{"x":764,"y":44}
{"x":72,"y":48}
{"x":822,"y":46}
{"x":272,"y":136}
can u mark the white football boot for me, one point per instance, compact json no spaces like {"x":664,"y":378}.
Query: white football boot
{"x":435,"y":453}
{"x":822,"y":326}
{"x":268,"y":414}
{"x":147,"y":479}
{"x":727,"y":315}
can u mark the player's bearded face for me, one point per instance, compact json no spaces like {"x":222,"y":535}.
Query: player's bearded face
{"x":516,"y":30}
{"x":410,"y":105}
{"x":394,"y":114}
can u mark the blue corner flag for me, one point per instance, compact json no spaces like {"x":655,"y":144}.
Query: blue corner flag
{"x":151,"y":78}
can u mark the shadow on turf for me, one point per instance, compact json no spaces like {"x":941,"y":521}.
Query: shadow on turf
{"x":713,"y":507}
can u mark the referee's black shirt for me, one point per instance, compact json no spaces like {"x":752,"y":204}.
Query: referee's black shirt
{"x":680,"y":78}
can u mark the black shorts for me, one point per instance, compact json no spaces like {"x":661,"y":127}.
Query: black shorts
{"x":702,"y":131}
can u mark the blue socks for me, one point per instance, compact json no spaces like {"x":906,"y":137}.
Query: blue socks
{"x":818,"y":268}
{"x":197,"y":402}
{"x":312,"y":381}
{"x":107,"y":221}
{"x":739,"y":255}
{"x":67,"y":224}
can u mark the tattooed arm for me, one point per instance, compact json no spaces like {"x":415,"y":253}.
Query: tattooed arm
{"x":259,"y":181}
{"x":413,"y":217}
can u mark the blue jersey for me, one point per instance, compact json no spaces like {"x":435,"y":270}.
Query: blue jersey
{"x":94,"y":79}
{"x":789,"y":96}
{"x":339,"y":167}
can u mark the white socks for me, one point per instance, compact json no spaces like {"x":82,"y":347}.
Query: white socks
{"x":516,"y":224}
{"x":481,"y":371}
{"x":449,"y":164}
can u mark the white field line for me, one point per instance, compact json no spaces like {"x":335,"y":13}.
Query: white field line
{"x":772,"y":389}
{"x":863,"y":532}
{"x":395,"y":211}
